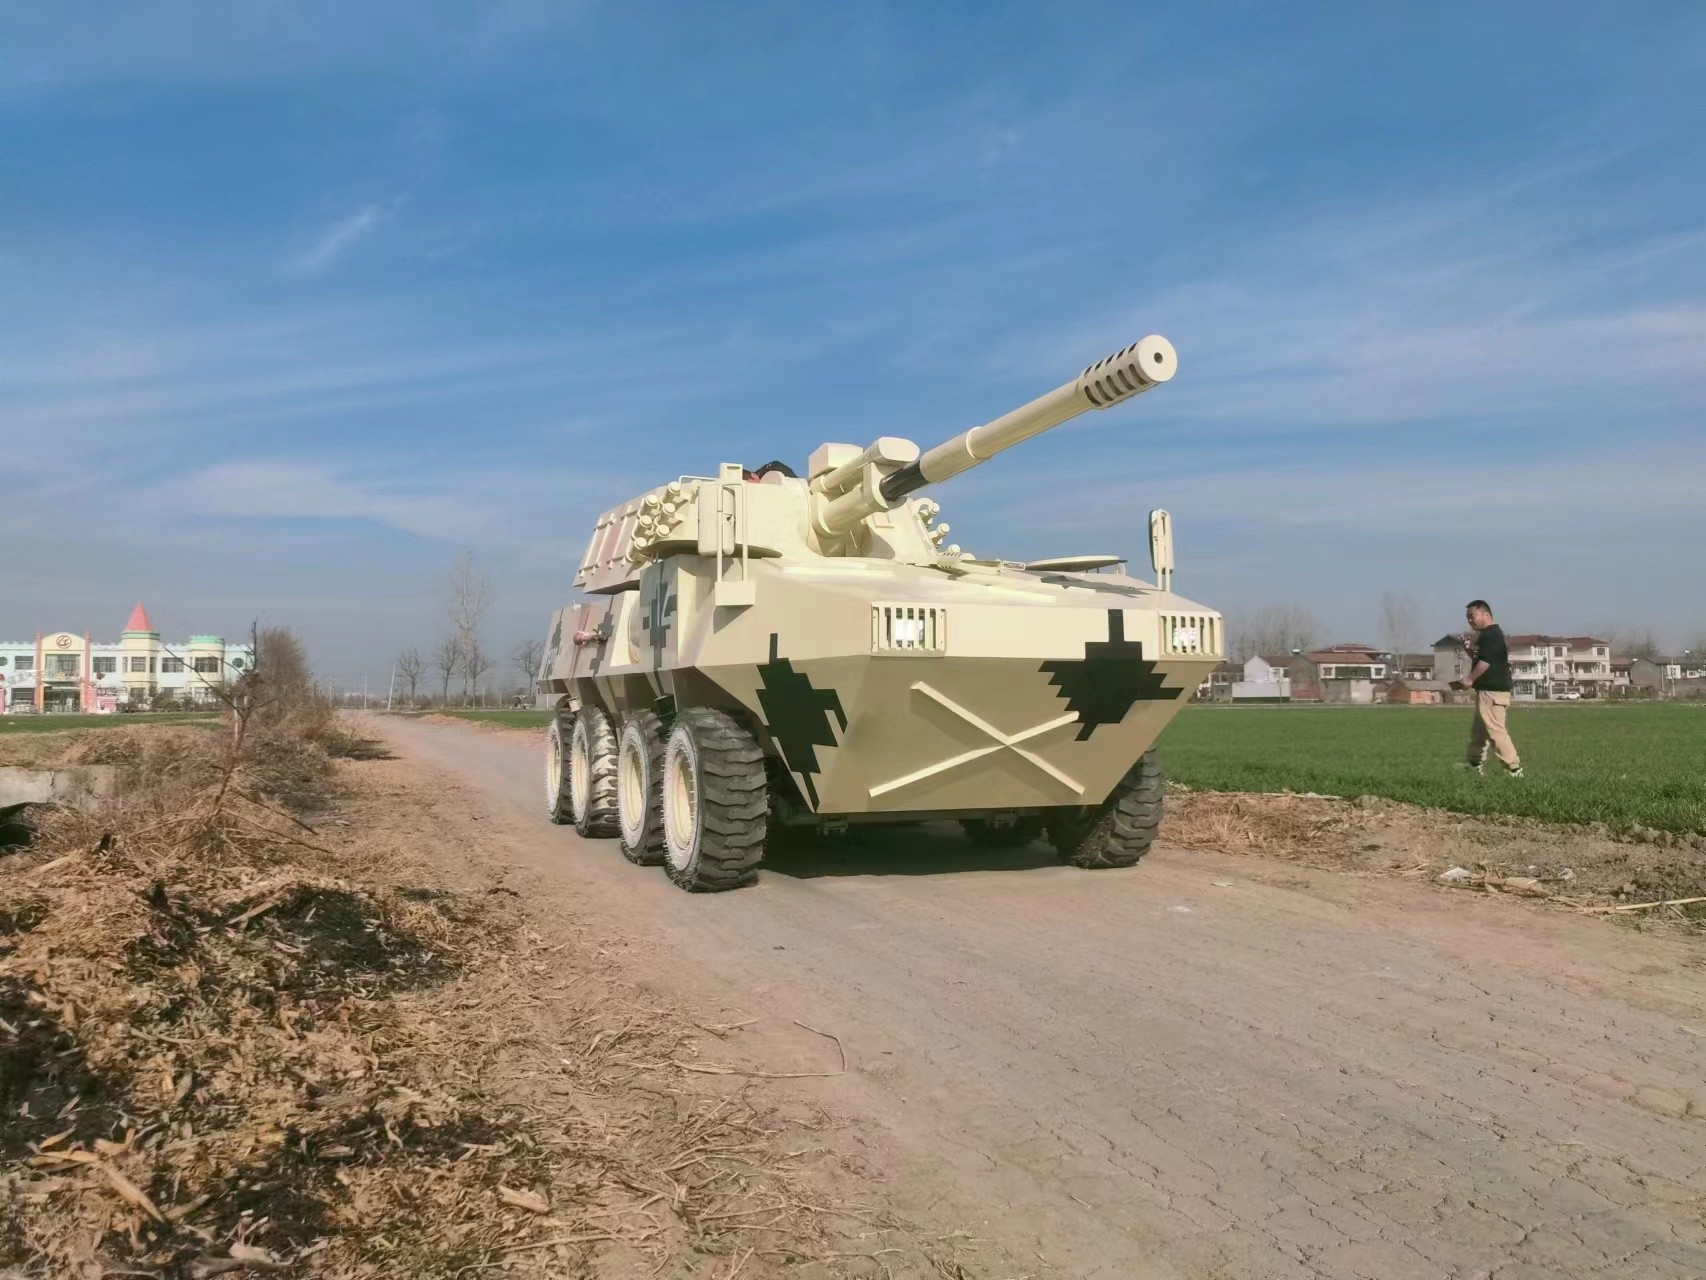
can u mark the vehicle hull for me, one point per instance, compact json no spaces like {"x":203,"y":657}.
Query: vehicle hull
{"x":894,"y":689}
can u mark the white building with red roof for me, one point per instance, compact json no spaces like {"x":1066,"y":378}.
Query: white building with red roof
{"x":72,"y":671}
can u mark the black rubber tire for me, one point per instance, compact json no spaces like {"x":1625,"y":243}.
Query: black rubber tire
{"x":725,"y":765}
{"x":557,"y":807}
{"x":595,"y":816}
{"x":1002,"y":835}
{"x":640,"y":816}
{"x":1119,"y":831}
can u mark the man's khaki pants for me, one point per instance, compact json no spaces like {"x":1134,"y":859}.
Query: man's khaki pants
{"x":1489,"y":726}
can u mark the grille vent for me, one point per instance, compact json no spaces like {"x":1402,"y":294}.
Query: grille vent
{"x":909,"y":628}
{"x":1190,"y":633}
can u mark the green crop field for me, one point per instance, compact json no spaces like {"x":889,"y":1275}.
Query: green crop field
{"x":1621,"y":765}
{"x":60,"y":723}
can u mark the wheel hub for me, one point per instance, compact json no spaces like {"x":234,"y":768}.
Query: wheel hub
{"x":580,"y":772}
{"x":631,"y":792}
{"x":681,"y":805}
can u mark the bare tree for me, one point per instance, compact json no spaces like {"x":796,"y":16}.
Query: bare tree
{"x":470,"y":598}
{"x":1635,"y":642}
{"x":1273,"y":629}
{"x":1399,"y":621}
{"x":528,"y":654}
{"x":475,"y":663}
{"x":282,"y":661}
{"x":447,"y":661}
{"x":410,"y":664}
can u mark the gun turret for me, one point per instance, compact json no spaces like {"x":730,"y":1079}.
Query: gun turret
{"x":881,"y":477}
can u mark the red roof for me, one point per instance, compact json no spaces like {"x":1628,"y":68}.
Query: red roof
{"x":139,"y":619}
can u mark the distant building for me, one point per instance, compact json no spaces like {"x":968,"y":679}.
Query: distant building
{"x":1542,"y":666}
{"x":1260,"y":678}
{"x":1218,"y":686}
{"x":1559,"y":666}
{"x":1638,"y":677}
{"x":1687,"y":667}
{"x":1411,"y":666}
{"x":1266,"y":679}
{"x":1417,"y":692}
{"x":65,"y":671}
{"x":1339,"y":673}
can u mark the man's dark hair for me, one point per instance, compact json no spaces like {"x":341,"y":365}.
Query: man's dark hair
{"x":1479,"y":604}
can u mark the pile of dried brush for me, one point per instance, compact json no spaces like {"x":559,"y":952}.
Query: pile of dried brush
{"x":224,"y":1048}
{"x":189,"y":1034}
{"x":1283,"y":825}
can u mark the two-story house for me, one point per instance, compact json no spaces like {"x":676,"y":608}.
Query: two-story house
{"x":1337,"y":673}
{"x":1542,"y":666}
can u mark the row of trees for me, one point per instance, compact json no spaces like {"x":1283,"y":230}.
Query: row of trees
{"x":462,"y":656}
{"x":1280,"y":628}
{"x":1640,"y":642}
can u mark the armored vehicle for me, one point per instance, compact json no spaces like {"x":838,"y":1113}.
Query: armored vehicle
{"x":759,"y":650}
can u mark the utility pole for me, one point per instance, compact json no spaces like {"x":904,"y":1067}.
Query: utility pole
{"x":391,"y":691}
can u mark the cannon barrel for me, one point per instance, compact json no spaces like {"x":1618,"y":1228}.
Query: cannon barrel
{"x":1146,"y":363}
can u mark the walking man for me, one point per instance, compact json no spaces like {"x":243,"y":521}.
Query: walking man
{"x":1490,"y":680}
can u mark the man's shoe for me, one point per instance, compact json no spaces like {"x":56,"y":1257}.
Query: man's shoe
{"x":1516,"y":772}
{"x":1472,"y":768}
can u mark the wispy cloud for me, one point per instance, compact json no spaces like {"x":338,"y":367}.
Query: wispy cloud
{"x":488,"y":502}
{"x":341,"y":236}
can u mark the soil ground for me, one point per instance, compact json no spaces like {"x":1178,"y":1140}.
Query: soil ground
{"x":1210,"y":1066}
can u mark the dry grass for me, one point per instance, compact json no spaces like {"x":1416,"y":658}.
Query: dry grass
{"x":1578,"y":866}
{"x":1233,"y":822}
{"x":230,"y":1041}
{"x":36,"y":750}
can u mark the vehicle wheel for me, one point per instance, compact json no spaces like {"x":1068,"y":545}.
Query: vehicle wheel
{"x":557,"y":768}
{"x":1002,"y":833}
{"x":715,"y":801}
{"x":1117,"y":832}
{"x":592,"y":774}
{"x":639,"y":788}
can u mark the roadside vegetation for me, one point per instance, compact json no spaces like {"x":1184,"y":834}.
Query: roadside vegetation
{"x":1624,"y":767}
{"x":246,"y":1029}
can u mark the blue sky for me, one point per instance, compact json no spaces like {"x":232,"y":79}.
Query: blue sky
{"x":303,"y":299}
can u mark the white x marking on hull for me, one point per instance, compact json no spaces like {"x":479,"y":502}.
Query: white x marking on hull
{"x":1001,"y":742}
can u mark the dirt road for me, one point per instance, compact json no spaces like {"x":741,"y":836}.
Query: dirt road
{"x":1204,"y":1067}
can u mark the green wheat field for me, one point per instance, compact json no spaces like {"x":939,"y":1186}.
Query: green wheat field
{"x":1639,"y":765}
